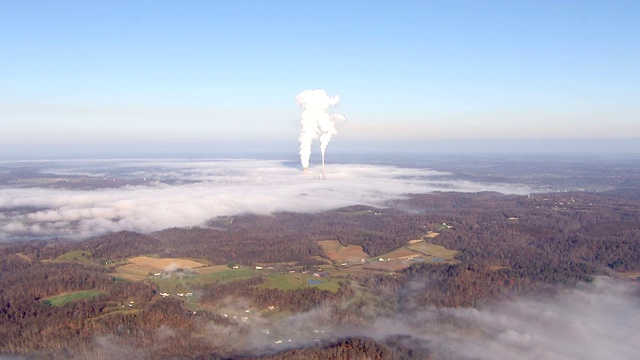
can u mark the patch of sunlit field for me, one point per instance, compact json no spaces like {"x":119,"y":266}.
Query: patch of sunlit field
{"x":400,"y":253}
{"x":61,"y":299}
{"x":141,"y":267}
{"x":165,"y":263}
{"x":338,"y":253}
{"x":185,"y":282}
{"x":433,"y":250}
{"x":76,"y":256}
{"x":296,"y":281}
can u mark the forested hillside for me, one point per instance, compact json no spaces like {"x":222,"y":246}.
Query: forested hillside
{"x":93,"y":298}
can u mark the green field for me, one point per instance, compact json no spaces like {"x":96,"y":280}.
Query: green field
{"x":299,"y":281}
{"x":225,"y":276}
{"x":185,"y":282}
{"x":62,"y":299}
{"x":78,"y":255}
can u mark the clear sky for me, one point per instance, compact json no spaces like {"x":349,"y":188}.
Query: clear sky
{"x":117,"y":73}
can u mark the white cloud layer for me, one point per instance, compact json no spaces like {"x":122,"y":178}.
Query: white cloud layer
{"x":187,"y":193}
{"x":594,"y":321}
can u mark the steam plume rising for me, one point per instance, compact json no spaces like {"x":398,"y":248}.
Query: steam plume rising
{"x":316,"y":122}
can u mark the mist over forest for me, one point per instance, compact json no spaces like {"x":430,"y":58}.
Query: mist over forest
{"x":406,"y":258}
{"x":275,"y":180}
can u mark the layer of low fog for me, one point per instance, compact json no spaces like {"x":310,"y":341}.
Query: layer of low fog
{"x":187,"y":193}
{"x":594,"y":321}
{"x":600,"y":320}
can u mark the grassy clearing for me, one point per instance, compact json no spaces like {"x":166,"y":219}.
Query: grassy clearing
{"x":165,"y":263}
{"x":59,"y":300}
{"x":299,"y":281}
{"x":224,"y":276}
{"x":141,"y":267}
{"x":336,"y":252}
{"x":183,"y":282}
{"x":401,"y":253}
{"x":77,"y":255}
{"x":433,"y":250}
{"x":131,"y":272}
{"x":24,"y":257}
{"x":214,"y":269}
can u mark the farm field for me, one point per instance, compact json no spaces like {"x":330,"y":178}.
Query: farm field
{"x":286,"y":281}
{"x":338,"y":253}
{"x":179,"y":275}
{"x":166,"y":264}
{"x":184,"y":282}
{"x":76,"y":256}
{"x":61,"y":299}
{"x":433,"y":250}
{"x":400,"y":254}
{"x":24,"y":257}
{"x":141,"y":267}
{"x":387,"y":266}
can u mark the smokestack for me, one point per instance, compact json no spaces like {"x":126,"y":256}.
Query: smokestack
{"x":316,"y":122}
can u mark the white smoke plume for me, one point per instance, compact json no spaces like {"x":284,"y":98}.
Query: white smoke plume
{"x":316,"y":121}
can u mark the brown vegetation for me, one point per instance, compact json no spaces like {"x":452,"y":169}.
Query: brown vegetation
{"x":558,"y":239}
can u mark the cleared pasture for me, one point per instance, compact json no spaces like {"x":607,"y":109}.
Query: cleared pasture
{"x":166,"y":264}
{"x":387,"y":266}
{"x":401,"y":253}
{"x":336,"y":252}
{"x":141,"y":267}
{"x":61,"y":299}
{"x":24,"y":257}
{"x":185,"y":282}
{"x":287,"y":281}
{"x":433,"y":250}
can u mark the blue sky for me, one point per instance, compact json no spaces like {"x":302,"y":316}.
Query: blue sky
{"x":199,"y":73}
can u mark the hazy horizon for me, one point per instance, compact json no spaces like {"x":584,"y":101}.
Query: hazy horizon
{"x":336,"y":150}
{"x":118,"y":77}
